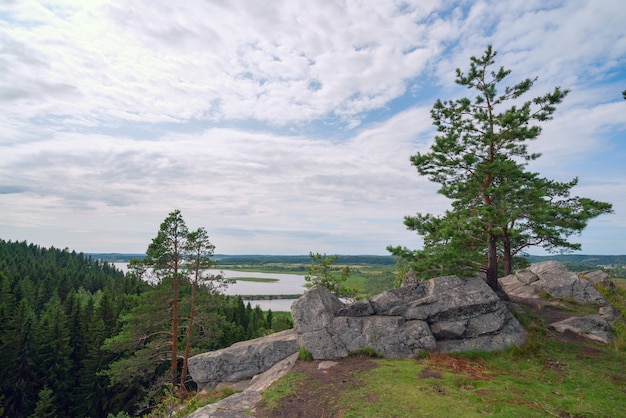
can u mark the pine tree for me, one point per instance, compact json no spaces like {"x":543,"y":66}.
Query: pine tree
{"x":479,"y":158}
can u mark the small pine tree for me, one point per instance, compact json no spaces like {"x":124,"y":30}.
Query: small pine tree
{"x":323,"y":272}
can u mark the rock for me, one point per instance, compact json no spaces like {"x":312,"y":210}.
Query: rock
{"x":390,"y":336}
{"x":510,"y":335}
{"x":591,"y":327}
{"x":239,"y":404}
{"x":386,"y":301}
{"x":321,"y":345}
{"x":402,"y":322}
{"x":553,"y":279}
{"x":610,"y":313}
{"x":359,"y":308}
{"x":242,"y":360}
{"x":449,"y":330}
{"x":315,"y":311}
{"x":597,"y":278}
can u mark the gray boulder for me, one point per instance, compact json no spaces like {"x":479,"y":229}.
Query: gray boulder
{"x":592,"y":327}
{"x":315,"y":311}
{"x":446,"y":313}
{"x":242,"y":403}
{"x":554,"y":279}
{"x":597,"y":278}
{"x":242,"y":360}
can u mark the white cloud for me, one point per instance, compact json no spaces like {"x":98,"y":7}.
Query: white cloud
{"x":285,"y":126}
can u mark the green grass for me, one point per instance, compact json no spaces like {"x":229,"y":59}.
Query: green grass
{"x":559,"y":381}
{"x":255,"y":279}
{"x":304,"y":354}
{"x":620,"y":283}
{"x":544,"y":377}
{"x":283,"y":387}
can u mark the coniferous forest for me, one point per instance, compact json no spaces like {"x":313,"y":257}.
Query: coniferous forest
{"x":79,"y":338}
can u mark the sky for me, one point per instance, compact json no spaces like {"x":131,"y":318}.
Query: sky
{"x":282,"y":127}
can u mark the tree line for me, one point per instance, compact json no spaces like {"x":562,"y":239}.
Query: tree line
{"x":74,"y":333}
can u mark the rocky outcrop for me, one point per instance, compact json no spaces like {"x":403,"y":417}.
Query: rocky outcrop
{"x":242,"y":360}
{"x":554,"y":280}
{"x":445,"y":314}
{"x":241,"y":404}
{"x":597,"y":278}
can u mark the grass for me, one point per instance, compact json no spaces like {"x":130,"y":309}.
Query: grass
{"x":367,"y":352}
{"x":544,"y":377}
{"x":283,"y":387}
{"x":304,"y":354}
{"x":494,"y":385}
{"x":255,"y":279}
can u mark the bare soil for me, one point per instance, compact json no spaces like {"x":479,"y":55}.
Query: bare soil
{"x":318,"y":395}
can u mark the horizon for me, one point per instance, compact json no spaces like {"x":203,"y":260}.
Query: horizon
{"x":358,"y":255}
{"x":283,"y":128}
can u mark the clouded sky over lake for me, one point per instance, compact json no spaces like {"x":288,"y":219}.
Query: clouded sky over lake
{"x":282,"y":127}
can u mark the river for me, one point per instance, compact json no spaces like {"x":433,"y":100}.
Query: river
{"x":286,"y":284}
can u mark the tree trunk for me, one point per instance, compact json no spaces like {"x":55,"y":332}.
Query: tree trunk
{"x":174,"y":364}
{"x":508,"y":261}
{"x":492,"y":262}
{"x":183,"y":375}
{"x":507,"y":256}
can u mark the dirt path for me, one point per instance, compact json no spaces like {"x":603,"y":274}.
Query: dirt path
{"x":317,"y":396}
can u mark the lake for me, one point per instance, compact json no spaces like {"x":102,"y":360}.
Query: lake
{"x":285,"y":284}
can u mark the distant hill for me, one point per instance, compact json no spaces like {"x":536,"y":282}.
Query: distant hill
{"x":261,"y":259}
{"x":115,"y":257}
{"x":257,"y":259}
{"x":594,"y":260}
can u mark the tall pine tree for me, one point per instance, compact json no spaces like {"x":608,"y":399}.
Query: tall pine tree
{"x":479,"y":158}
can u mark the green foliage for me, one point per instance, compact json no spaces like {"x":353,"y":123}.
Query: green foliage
{"x":479,"y":158}
{"x":202,"y":399}
{"x":46,"y":405}
{"x":119,"y":415}
{"x":304,"y":354}
{"x":281,"y":321}
{"x":56,"y":308}
{"x":323,"y":272}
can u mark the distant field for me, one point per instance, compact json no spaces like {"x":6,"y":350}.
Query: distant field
{"x":255,"y":279}
{"x":371,"y":274}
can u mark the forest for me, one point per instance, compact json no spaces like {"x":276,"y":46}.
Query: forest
{"x":68,"y":333}
{"x":70,"y":325}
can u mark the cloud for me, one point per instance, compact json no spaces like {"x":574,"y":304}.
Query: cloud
{"x":283,"y":127}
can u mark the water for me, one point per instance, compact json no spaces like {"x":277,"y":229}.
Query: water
{"x":286,"y":284}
